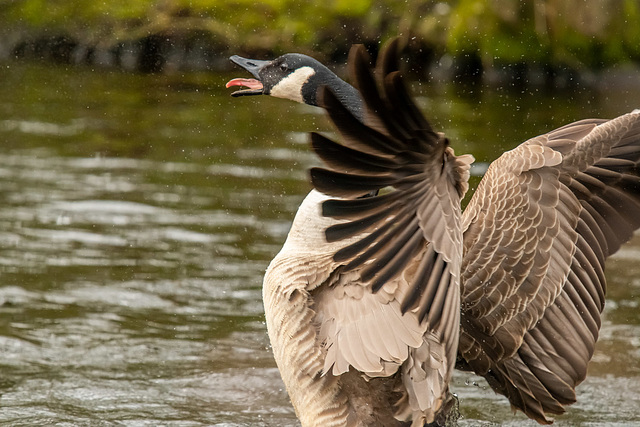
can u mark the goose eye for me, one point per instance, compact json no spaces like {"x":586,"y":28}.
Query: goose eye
{"x":284,"y":67}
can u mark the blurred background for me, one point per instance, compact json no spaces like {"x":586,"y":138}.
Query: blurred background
{"x":475,"y":35}
{"x":140,"y":204}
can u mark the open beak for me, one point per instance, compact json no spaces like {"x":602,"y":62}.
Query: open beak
{"x":254,"y":86}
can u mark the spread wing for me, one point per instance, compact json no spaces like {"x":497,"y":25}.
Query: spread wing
{"x":536,"y":235}
{"x":397,"y":187}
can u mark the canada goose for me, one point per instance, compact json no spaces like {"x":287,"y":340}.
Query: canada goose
{"x":297,"y":77}
{"x":372,"y":299}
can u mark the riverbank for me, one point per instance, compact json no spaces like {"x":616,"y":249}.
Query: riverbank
{"x":167,"y":54}
{"x":471,"y":40}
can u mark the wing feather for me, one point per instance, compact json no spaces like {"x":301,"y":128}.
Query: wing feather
{"x":404,"y":244}
{"x":531,"y":312}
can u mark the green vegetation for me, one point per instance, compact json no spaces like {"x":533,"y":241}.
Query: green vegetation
{"x":560,"y":33}
{"x":578,"y":33}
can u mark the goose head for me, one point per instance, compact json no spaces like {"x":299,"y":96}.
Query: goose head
{"x":296,"y":77}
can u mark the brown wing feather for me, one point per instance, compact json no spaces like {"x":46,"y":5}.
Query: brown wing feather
{"x":531,"y":302}
{"x":405,"y":154}
{"x":413,"y":229}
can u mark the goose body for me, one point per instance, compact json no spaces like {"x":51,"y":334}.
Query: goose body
{"x":384,"y":285}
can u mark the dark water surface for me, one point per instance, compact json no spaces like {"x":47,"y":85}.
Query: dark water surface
{"x":138,"y":214}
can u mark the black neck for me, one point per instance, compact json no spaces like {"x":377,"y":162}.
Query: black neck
{"x":347,"y":94}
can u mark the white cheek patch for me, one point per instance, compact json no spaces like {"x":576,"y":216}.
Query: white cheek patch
{"x":291,"y":86}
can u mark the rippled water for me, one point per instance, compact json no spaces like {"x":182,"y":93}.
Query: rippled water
{"x":137,"y":216}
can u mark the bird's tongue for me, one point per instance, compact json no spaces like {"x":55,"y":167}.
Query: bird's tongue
{"x":250,"y":83}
